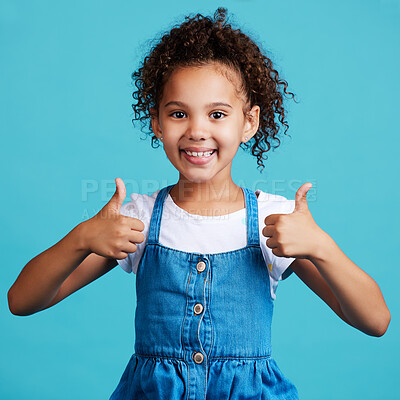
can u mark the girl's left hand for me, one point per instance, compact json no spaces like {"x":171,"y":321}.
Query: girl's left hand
{"x":297,"y":234}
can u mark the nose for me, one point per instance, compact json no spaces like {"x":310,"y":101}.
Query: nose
{"x":197,"y":129}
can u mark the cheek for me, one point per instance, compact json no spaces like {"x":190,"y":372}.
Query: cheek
{"x":170,"y":141}
{"x":171,"y":149}
{"x":230,"y":141}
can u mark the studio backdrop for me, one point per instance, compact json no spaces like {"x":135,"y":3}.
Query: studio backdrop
{"x":67,"y":133}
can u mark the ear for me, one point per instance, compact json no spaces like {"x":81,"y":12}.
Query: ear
{"x":251,"y":124}
{"x":155,"y":124}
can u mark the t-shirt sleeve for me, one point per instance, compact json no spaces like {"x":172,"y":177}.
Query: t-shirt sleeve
{"x":278,"y":267}
{"x":281,"y":265}
{"x":126,"y":263}
{"x":133,"y":209}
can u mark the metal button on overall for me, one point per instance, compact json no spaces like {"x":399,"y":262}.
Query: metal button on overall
{"x":198,"y":308}
{"x":198,"y":357}
{"x":201,"y":266}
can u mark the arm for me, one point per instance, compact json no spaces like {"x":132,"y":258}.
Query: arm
{"x":310,"y":275}
{"x":91,"y":268}
{"x":89,"y":251}
{"x":55,"y":274}
{"x":358,"y":295}
{"x":342,"y":288}
{"x":322,"y":265}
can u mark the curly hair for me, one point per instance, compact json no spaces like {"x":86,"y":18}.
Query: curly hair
{"x":199,"y":41}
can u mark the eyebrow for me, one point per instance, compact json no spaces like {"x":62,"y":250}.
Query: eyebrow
{"x":215,"y":104}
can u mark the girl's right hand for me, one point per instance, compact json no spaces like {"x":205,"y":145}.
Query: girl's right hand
{"x":110,"y":234}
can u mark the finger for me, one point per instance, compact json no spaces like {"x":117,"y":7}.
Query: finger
{"x":121,"y":255}
{"x":277,"y":252}
{"x":271,"y":219}
{"x":118,"y":197}
{"x":268,"y":231}
{"x":136,"y":237}
{"x":301,"y":197}
{"x":135,"y":224}
{"x":129,"y":247}
{"x":272,"y":243}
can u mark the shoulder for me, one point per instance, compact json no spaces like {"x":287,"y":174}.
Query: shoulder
{"x":273,"y":204}
{"x":269,"y":203}
{"x":140,"y":205}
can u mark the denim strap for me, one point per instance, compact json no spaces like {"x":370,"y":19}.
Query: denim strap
{"x":253,"y":238}
{"x":155,"y":222}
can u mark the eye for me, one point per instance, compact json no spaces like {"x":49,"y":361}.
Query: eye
{"x":176,"y":112}
{"x":218,"y":112}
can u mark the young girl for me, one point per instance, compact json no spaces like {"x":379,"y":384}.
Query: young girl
{"x":207,"y":254}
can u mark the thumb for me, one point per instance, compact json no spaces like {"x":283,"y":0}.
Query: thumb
{"x":118,"y":197}
{"x":301,"y":197}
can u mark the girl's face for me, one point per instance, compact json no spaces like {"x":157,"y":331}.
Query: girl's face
{"x":201,"y":112}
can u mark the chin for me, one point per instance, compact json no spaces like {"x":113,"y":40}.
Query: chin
{"x":197,"y":178}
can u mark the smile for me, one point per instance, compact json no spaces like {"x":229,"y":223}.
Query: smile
{"x":199,"y":158}
{"x":199,"y":154}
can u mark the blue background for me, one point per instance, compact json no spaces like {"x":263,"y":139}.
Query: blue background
{"x":65,"y":120}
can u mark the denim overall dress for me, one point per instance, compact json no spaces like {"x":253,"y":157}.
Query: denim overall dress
{"x":203,"y":322}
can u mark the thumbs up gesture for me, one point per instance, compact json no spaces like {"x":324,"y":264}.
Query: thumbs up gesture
{"x":296,"y":234}
{"x":110,"y":234}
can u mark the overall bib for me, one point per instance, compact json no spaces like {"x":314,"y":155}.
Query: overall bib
{"x":203,"y":322}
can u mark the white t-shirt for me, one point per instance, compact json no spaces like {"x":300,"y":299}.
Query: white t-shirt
{"x":213,"y":234}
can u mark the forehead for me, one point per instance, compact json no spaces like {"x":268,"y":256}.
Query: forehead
{"x":203,"y":83}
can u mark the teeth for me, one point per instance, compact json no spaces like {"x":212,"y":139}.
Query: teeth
{"x":199,"y":154}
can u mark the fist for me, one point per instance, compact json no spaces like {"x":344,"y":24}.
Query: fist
{"x":110,"y":234}
{"x":295,"y":234}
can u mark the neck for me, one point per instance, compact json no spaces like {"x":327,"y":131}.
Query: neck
{"x":206,"y":192}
